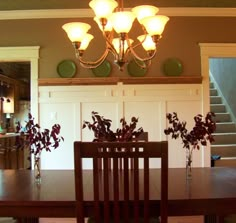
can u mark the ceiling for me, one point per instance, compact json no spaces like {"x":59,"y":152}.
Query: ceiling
{"x":76,"y":4}
{"x":16,"y":70}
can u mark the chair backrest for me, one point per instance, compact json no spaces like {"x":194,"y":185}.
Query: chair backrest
{"x":119,"y":193}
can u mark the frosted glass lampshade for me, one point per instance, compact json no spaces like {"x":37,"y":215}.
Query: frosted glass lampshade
{"x":85,"y":41}
{"x":76,"y":30}
{"x":103,"y":8}
{"x":122,"y":21}
{"x":148,"y":43}
{"x":108,"y":26}
{"x":143,"y":11}
{"x":8,"y":107}
{"x":116,"y":44}
{"x":155,"y":24}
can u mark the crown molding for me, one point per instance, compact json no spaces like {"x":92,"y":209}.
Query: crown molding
{"x":82,"y":13}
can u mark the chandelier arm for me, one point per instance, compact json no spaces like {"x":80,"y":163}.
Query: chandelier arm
{"x":120,"y":5}
{"x":140,"y":42}
{"x":145,"y":64}
{"x":137,"y":44}
{"x":145,"y":59}
{"x":92,"y":64}
{"x":112,"y":52}
{"x":109,"y":44}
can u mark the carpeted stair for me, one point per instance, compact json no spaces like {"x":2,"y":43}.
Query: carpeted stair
{"x":225,"y":135}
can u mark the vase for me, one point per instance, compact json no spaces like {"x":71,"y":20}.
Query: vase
{"x":188,"y":164}
{"x":37,"y":170}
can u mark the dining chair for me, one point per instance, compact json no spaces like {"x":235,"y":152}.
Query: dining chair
{"x":120,"y":195}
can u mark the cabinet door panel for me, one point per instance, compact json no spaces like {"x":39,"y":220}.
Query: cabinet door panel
{"x":64,"y":114}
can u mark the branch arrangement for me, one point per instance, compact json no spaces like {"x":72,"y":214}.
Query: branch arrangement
{"x":102,"y":129}
{"x":201,"y":133}
{"x":38,"y":139}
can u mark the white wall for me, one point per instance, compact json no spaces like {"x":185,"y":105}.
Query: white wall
{"x":69,"y":106}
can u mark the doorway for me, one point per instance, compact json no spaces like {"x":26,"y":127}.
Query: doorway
{"x":15,"y":78}
{"x":29,"y":55}
{"x":208,"y":51}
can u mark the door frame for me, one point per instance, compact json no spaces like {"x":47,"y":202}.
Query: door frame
{"x":211,"y":50}
{"x":28,"y":54}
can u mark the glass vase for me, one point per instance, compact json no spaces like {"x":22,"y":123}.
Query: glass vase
{"x":37,"y":170}
{"x":188,"y":164}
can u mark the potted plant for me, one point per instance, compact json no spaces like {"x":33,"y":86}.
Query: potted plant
{"x":200,"y":134}
{"x":102,"y":129}
{"x":38,"y":140}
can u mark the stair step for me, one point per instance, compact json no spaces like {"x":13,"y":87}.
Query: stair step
{"x":218,"y":108}
{"x":222,"y":117}
{"x":224,"y":150}
{"x":215,"y":100}
{"x":225,"y":135}
{"x":224,"y":127}
{"x":226,"y":162}
{"x":224,"y":138}
{"x":212,"y":85}
{"x":213,"y":92}
{"x":7,"y":220}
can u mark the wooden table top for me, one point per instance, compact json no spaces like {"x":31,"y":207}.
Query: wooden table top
{"x":210,"y":191}
{"x":8,"y":135}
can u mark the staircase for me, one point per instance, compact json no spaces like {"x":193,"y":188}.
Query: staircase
{"x":225,"y":135}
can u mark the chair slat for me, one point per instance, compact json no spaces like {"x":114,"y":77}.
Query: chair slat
{"x":79,"y":186}
{"x":164,"y":186}
{"x":126,"y":189}
{"x":116,"y":191}
{"x":146,"y":190}
{"x":106,"y":190}
{"x":96,"y":163}
{"x":136,"y":188}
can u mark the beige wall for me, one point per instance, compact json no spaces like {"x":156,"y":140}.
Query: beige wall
{"x":180,"y":39}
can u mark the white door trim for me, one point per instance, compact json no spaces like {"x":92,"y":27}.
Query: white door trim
{"x":31,"y":54}
{"x":211,"y":50}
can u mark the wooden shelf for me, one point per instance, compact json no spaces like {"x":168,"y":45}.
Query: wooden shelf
{"x":124,"y":80}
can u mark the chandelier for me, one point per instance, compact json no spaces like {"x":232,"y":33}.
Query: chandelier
{"x":115,"y":27}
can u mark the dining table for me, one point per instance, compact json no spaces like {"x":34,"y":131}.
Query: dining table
{"x":210,"y":192}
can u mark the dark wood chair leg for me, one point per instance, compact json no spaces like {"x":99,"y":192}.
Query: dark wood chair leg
{"x":213,"y":219}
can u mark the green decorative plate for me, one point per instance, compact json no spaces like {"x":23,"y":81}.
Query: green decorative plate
{"x":66,"y":68}
{"x":103,"y":70}
{"x":172,"y":67}
{"x":135,"y":70}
